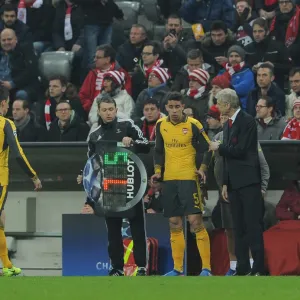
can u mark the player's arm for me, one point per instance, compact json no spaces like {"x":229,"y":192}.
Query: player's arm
{"x":10,"y":132}
{"x":200,"y":142}
{"x":159,"y":150}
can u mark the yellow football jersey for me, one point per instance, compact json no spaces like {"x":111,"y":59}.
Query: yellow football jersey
{"x":9,"y":141}
{"x":176,"y":146}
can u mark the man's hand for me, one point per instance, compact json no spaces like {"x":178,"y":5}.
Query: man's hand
{"x":173,"y":40}
{"x":166,"y":42}
{"x":221,"y":59}
{"x":263,"y":194}
{"x":87,"y":210}
{"x":155,"y":177}
{"x":61,"y":49}
{"x":79,"y":179}
{"x":6,"y":84}
{"x":213,"y":146}
{"x":146,"y":198}
{"x":201,"y":173}
{"x":76,"y":48}
{"x":127,"y":141}
{"x":151,"y":211}
{"x":37,"y":183}
{"x":225,"y":193}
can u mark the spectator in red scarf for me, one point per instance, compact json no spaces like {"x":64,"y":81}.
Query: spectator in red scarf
{"x":197,"y":96}
{"x":157,"y":89}
{"x":148,"y":121}
{"x":285,"y":28}
{"x":292,"y":130}
{"x":105,"y":62}
{"x":237,"y":72}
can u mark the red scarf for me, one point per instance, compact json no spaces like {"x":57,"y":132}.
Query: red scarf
{"x":22,"y":13}
{"x":68,"y":30}
{"x":292,"y":29}
{"x":148,"y":70}
{"x":292,"y":130}
{"x":195,"y":94}
{"x":148,"y":129}
{"x":47,"y":114}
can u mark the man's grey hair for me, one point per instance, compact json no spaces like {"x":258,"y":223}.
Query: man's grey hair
{"x":229,"y":96}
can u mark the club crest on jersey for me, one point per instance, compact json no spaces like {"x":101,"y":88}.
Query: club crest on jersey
{"x":185,"y":130}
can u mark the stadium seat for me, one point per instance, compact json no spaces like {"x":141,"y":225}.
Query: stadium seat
{"x":159,"y":32}
{"x":131,"y":12}
{"x":151,"y":10}
{"x":56,"y":63}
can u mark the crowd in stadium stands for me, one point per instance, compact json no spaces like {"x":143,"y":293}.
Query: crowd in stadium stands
{"x":249,"y":46}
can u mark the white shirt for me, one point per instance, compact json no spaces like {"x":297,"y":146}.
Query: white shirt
{"x":234,"y":115}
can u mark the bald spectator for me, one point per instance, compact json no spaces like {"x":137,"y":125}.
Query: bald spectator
{"x":18,"y":67}
{"x":9,"y":19}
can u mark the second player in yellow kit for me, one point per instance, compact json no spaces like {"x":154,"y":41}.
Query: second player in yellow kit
{"x":9,"y":143}
{"x":178,"y":140}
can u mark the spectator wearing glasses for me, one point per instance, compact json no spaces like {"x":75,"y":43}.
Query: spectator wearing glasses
{"x":265,"y":50}
{"x":266,"y":87}
{"x":59,"y":89}
{"x":68,"y":127}
{"x":270,"y":124}
{"x":105,"y":61}
{"x":285,"y":28}
{"x":157,"y":89}
{"x":151,"y":57}
{"x":130,"y":53}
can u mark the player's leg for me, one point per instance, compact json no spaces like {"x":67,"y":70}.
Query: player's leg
{"x":177,"y":245}
{"x":137,"y":226}
{"x":227,"y":224}
{"x":193,"y":207}
{"x":173,"y":211}
{"x":115,"y":245}
{"x":8,"y":268}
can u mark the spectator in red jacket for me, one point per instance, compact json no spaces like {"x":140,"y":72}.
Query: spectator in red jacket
{"x":105,"y":61}
{"x":288,"y":208}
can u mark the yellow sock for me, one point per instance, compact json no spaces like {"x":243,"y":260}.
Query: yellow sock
{"x":178,"y":247}
{"x":3,"y":250}
{"x":203,"y":245}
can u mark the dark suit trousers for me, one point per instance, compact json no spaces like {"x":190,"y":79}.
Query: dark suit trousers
{"x":115,"y":240}
{"x":247,"y":213}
